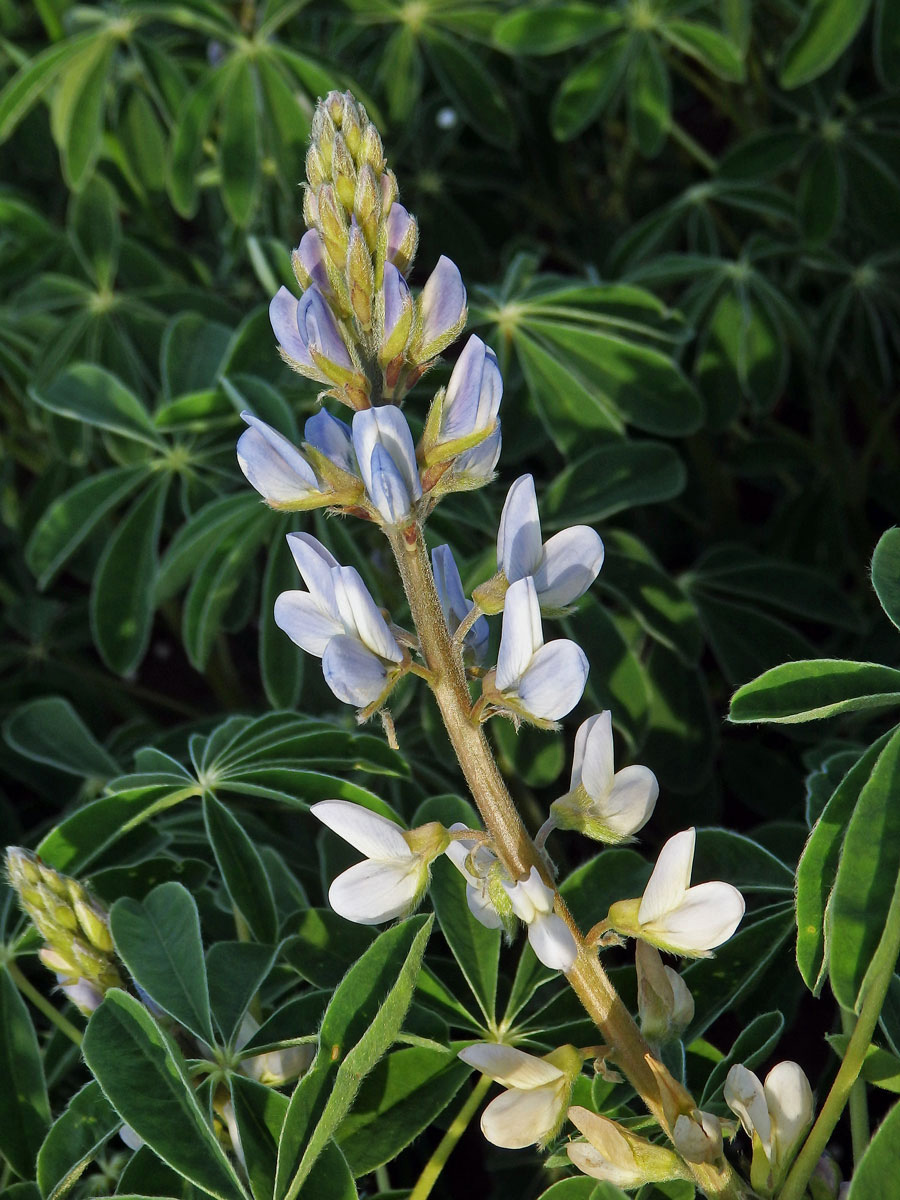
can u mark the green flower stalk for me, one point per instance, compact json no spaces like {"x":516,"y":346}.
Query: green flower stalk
{"x":75,"y":928}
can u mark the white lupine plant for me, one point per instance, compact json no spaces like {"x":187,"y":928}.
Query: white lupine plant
{"x":358,"y":328}
{"x":203,"y":1047}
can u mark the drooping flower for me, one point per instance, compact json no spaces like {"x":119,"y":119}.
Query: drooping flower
{"x":393,"y":878}
{"x":775,"y":1115}
{"x":563,"y":567}
{"x":665,"y":1004}
{"x":533,"y":1107}
{"x":338,"y":621}
{"x":549,"y":936}
{"x":602,"y":803}
{"x":440,"y":311}
{"x":674,"y":916}
{"x":454,"y":604}
{"x":616,"y":1155}
{"x":535,"y":681}
{"x":387,"y":460}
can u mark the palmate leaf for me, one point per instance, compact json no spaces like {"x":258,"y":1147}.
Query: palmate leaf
{"x":144,"y":1077}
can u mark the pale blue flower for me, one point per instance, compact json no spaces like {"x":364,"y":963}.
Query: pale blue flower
{"x":331,"y":437}
{"x":441,"y":311}
{"x":472,"y":400}
{"x":387,"y":461}
{"x":275,"y":467}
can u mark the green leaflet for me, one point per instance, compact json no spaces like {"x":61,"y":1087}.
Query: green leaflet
{"x":144,"y":1078}
{"x":807,"y":691}
{"x":24,"y":1107}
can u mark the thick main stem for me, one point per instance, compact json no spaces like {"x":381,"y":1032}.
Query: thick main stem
{"x":514,"y":846}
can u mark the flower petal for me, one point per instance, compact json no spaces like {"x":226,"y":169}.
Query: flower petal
{"x":474,"y":392}
{"x":706,"y":917}
{"x":745,"y":1096}
{"x":369,"y":832}
{"x":317,"y":321}
{"x":361,"y":615}
{"x":519,"y":534}
{"x":569,"y":564}
{"x":283,"y":318}
{"x":476,"y":466}
{"x":552,"y":942}
{"x":275,"y":467}
{"x":790,"y":1103}
{"x":594,"y":756}
{"x":387,"y":461}
{"x":509,"y":1066}
{"x":305,"y":622}
{"x":353,"y":672}
{"x":372,"y":892}
{"x":332,"y":438}
{"x":670,"y":879}
{"x":315,"y":564}
{"x":553,"y":682}
{"x":592,"y":1162}
{"x":310,"y":254}
{"x":518,"y":1119}
{"x":443,"y":309}
{"x":521,"y":634}
{"x":480,"y":906}
{"x":631,"y":801}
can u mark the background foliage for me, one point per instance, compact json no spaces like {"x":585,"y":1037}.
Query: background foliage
{"x":677,"y":222}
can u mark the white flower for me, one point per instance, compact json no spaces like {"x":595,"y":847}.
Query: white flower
{"x":550,"y":937}
{"x":276,"y":468}
{"x":675,"y":916}
{"x":338,"y":621}
{"x":479,"y":867}
{"x":387,"y":461}
{"x":775,"y":1115}
{"x":563,"y":568}
{"x":604,"y":804}
{"x":538,"y":1090}
{"x":393,"y":878}
{"x":273,"y":1067}
{"x":536,"y":680}
{"x":614,"y":1154}
{"x":697,"y":1136}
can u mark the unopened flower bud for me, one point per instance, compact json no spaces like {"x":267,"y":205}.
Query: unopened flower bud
{"x":665,"y":1003}
{"x":614,"y":1154}
{"x":360,"y":277}
{"x":343,"y":173}
{"x":402,"y":238}
{"x":322,"y":133}
{"x":825,"y":1181}
{"x":367,"y":204}
{"x":310,"y":208}
{"x":389,"y":191}
{"x":371,"y":150}
{"x":351,"y":129}
{"x":308,"y":261}
{"x":315,"y":168}
{"x":332,"y":224}
{"x":441,"y":311}
{"x":397,"y":305}
{"x":698,"y":1137}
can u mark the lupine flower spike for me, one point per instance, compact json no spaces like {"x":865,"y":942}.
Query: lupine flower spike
{"x":674,"y":916}
{"x":392,"y":880}
{"x":75,"y":928}
{"x":604,"y":804}
{"x":533,"y":1107}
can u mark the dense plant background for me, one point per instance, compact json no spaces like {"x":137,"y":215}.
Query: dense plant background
{"x":677,"y":223}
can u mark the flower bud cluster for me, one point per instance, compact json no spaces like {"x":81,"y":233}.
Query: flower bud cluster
{"x":74,"y":926}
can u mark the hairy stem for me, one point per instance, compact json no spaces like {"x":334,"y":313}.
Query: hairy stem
{"x":514,"y":846}
{"x":438,"y":1160}
{"x":858,"y":1104}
